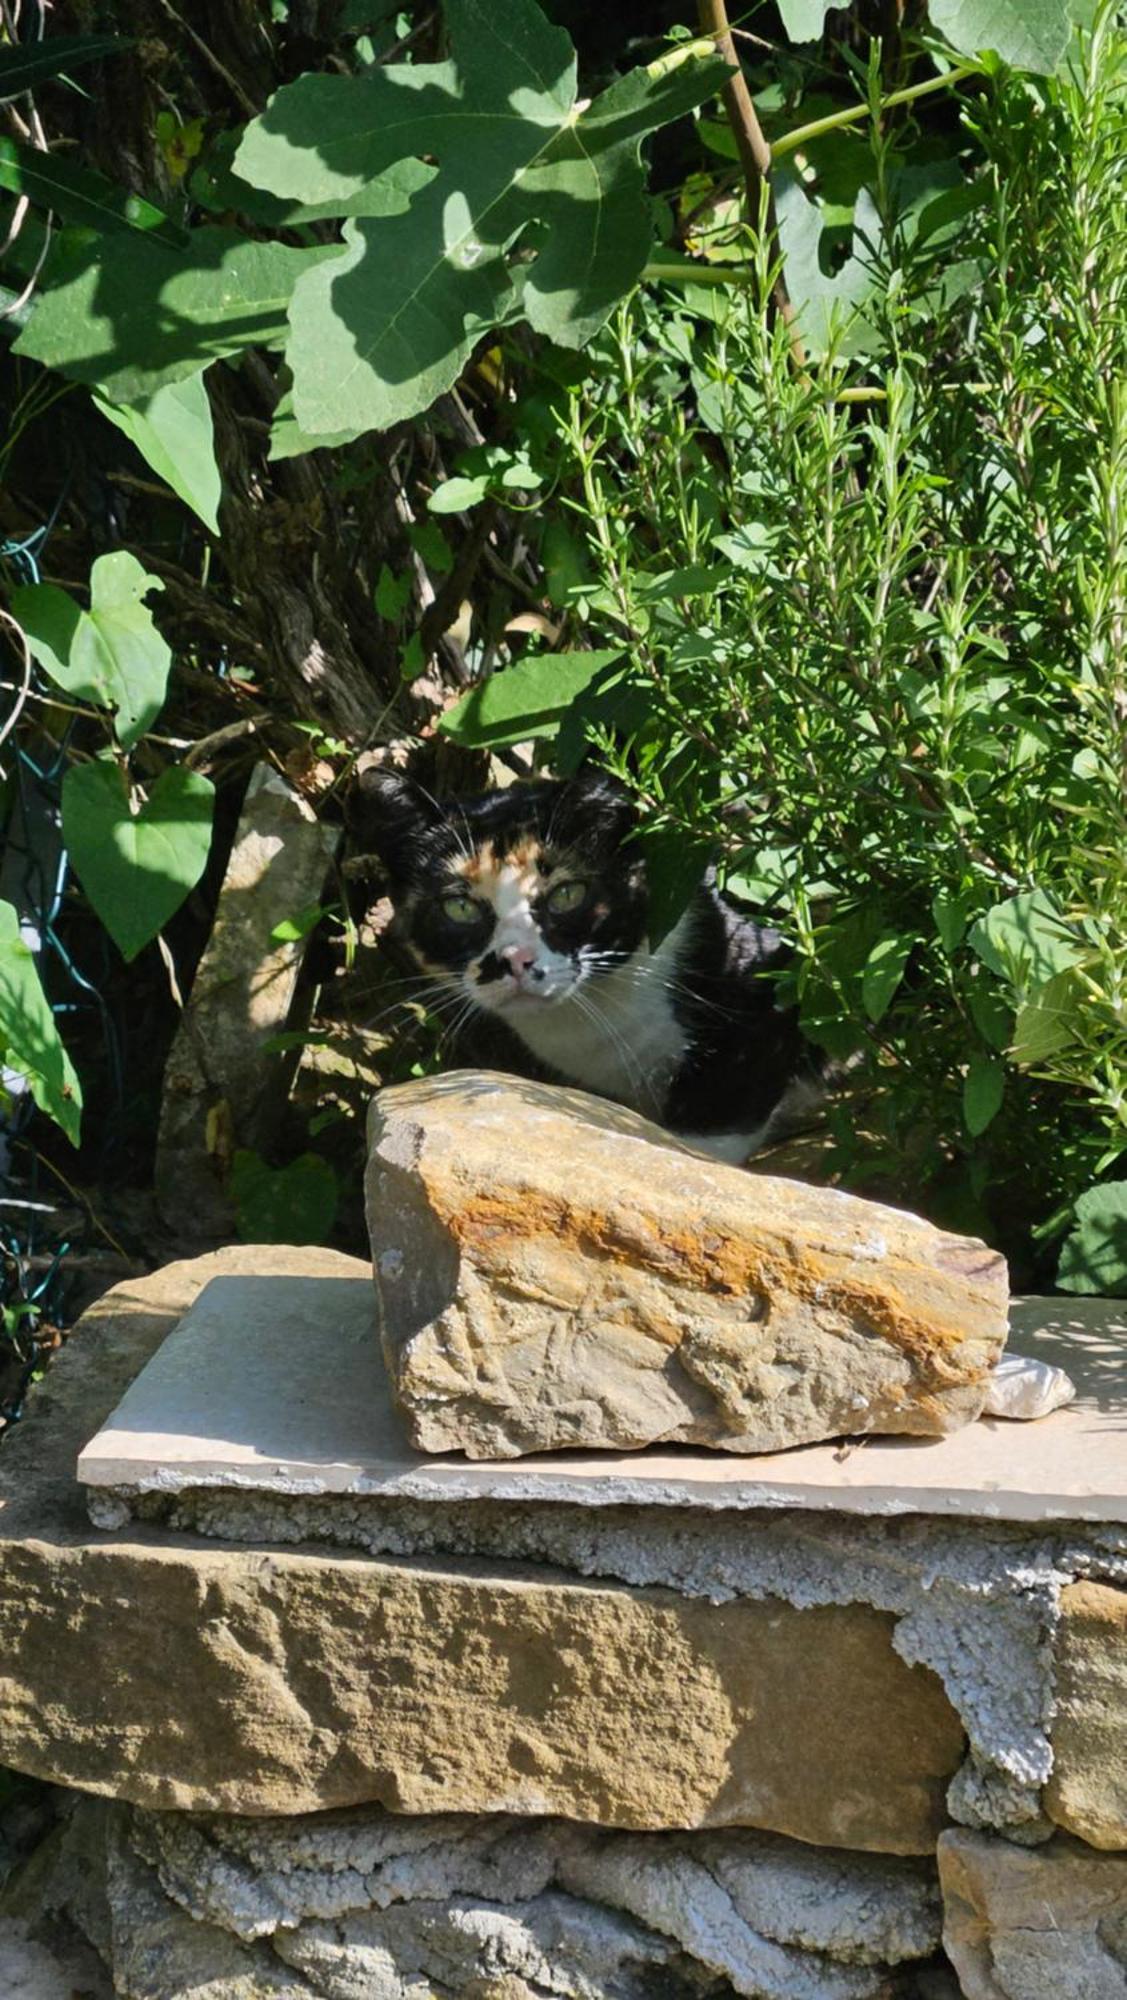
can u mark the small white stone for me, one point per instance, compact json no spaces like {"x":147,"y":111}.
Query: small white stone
{"x":1022,"y":1388}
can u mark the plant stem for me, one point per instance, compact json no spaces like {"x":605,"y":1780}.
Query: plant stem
{"x":788,"y":142}
{"x":754,"y":152}
{"x":697,"y":274}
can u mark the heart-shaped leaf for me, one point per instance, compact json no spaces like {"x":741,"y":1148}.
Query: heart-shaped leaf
{"x":828,"y":308}
{"x":173,"y":430}
{"x":111,"y":654}
{"x":136,"y":868}
{"x":804,"y":20}
{"x":29,"y":1039}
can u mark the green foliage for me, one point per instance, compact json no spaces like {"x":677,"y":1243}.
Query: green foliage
{"x":292,"y":1204}
{"x":1030,"y":34}
{"x":856,"y":620}
{"x":821,"y":299}
{"x":895,"y":709}
{"x":173,"y":431}
{"x":131,"y":313}
{"x":381,"y":330}
{"x":112,"y":654}
{"x":529,"y":700}
{"x":87,"y":199}
{"x":803,"y":20}
{"x":31,"y":63}
{"x":136,"y":863}
{"x":29,"y":1039}
{"x":1094,"y":1256}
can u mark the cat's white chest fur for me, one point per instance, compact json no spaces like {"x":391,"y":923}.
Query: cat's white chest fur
{"x":617,"y":1034}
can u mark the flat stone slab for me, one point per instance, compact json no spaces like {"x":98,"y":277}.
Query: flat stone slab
{"x":276,"y":1384}
{"x":179,"y":1672}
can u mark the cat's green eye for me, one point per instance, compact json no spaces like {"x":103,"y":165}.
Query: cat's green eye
{"x":566,"y":897}
{"x":461,"y":908}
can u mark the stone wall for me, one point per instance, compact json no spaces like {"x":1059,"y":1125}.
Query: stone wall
{"x":368,"y":1749}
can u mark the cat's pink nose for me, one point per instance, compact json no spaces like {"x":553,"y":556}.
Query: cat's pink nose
{"x":520,"y":959}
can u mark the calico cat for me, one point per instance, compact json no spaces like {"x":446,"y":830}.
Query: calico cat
{"x":529,"y":906}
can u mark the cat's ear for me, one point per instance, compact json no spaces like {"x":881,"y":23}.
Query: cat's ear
{"x":602,"y":804}
{"x":388,"y":814}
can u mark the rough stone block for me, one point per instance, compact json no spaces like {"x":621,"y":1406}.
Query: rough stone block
{"x":177,"y":1672}
{"x":369,"y":1904}
{"x":554,"y":1272}
{"x":1087,"y":1793}
{"x":1043,"y":1923}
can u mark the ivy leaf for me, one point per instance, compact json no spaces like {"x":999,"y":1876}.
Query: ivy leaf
{"x":29,"y":1039}
{"x":983,"y":1088}
{"x":136,"y":868}
{"x":526,"y":700}
{"x":133,"y":313}
{"x":112,"y":654}
{"x":1028,"y":34}
{"x":390,"y":322}
{"x":884,"y":969}
{"x":173,"y":431}
{"x":1094,"y":1257}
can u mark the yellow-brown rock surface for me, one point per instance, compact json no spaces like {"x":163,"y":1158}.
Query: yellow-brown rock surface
{"x":555,"y":1273}
{"x":1087,"y":1793}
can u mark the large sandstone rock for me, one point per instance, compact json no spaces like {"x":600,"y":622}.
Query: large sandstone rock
{"x":1043,"y":1923}
{"x":177,"y":1672}
{"x":1087,"y":1793}
{"x":372,"y":1904}
{"x":554,"y":1272}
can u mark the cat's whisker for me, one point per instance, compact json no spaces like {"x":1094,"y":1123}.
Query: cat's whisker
{"x":651,"y":974}
{"x":377,"y":987}
{"x":643,"y":1085}
{"x":432,"y":995}
{"x":456,"y":1025}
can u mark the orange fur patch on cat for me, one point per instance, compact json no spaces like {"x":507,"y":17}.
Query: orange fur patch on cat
{"x":484,"y":870}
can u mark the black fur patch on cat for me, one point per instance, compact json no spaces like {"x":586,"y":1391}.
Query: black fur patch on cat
{"x":530,"y":905}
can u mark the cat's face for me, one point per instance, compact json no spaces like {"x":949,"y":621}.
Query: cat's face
{"x":513,"y":899}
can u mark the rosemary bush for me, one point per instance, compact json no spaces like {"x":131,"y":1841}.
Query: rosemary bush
{"x":873,"y":611}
